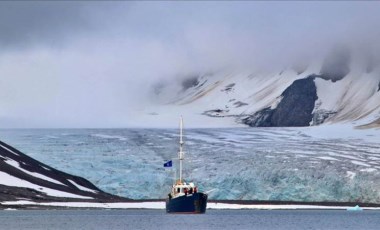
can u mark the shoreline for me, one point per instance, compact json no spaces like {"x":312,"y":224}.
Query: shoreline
{"x":159,"y":204}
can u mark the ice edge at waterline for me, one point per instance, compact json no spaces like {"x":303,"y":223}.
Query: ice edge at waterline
{"x":161,"y":205}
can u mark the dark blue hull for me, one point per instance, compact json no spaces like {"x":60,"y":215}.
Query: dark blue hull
{"x":194,"y":203}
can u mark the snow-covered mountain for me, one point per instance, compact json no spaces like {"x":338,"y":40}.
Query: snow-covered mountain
{"x":342,"y":87}
{"x":23,"y":178}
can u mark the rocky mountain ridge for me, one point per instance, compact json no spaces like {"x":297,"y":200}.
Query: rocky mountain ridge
{"x":341,"y":88}
{"x":24,"y":178}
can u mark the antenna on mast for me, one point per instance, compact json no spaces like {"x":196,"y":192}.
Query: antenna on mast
{"x":181,"y":153}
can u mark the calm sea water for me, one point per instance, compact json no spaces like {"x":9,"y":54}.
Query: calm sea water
{"x":213,"y":219}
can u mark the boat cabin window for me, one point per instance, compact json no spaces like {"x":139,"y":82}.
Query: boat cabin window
{"x":178,"y":190}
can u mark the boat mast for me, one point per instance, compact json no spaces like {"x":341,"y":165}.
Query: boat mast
{"x":181,"y":153}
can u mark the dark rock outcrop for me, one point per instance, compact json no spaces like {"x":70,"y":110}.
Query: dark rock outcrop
{"x":215,"y":113}
{"x":262,"y":118}
{"x":295,"y":108}
{"x":40,"y":182}
{"x":240,"y":104}
{"x":228,"y":88}
{"x":190,"y":82}
{"x":336,"y":65}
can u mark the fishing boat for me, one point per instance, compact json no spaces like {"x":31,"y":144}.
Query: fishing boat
{"x":184,"y":197}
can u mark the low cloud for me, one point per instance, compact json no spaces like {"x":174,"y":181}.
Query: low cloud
{"x":89,"y":64}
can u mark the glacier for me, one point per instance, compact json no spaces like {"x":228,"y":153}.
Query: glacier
{"x":324,"y":163}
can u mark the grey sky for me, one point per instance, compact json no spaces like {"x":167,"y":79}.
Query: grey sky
{"x":88,"y":64}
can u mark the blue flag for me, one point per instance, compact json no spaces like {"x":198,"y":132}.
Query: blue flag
{"x":168,"y":164}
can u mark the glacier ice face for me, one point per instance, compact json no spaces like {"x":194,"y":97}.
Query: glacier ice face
{"x":236,"y":163}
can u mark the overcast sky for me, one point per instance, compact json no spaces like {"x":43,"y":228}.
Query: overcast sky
{"x":89,"y":64}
